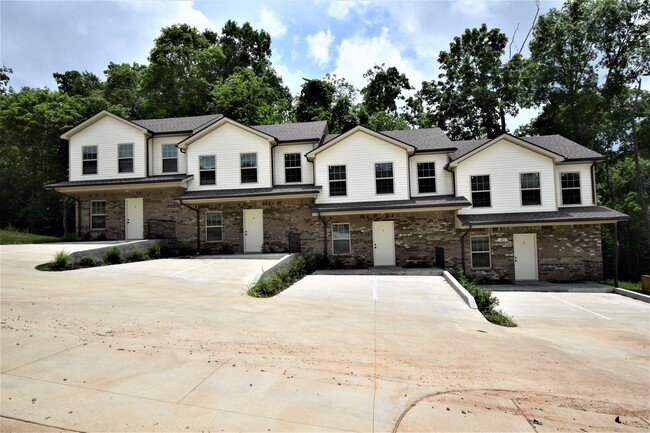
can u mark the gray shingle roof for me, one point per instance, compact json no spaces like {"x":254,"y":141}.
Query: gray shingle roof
{"x":129,"y":181}
{"x":303,"y":131}
{"x":423,"y":139}
{"x":419,"y":202}
{"x":555,"y":143}
{"x":168,"y":125}
{"x":250,"y":192}
{"x":563,"y":214}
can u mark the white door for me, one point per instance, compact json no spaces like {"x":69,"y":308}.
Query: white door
{"x":253,"y":230}
{"x":383,"y":242}
{"x":525,"y":249}
{"x":134,"y":215}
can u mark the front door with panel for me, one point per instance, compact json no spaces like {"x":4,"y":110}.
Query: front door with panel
{"x":525,"y":249}
{"x":253,"y":230}
{"x":134,"y":215}
{"x":383,"y":243}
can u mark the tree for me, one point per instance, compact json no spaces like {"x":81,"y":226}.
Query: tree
{"x":184,"y":63}
{"x":4,"y":79}
{"x":75,"y":83}
{"x":244,"y":47}
{"x":476,"y":90}
{"x":383,"y":121}
{"x":123,"y":88}
{"x":383,"y":90}
{"x":32,"y":155}
{"x":328,"y":99}
{"x":249,"y":99}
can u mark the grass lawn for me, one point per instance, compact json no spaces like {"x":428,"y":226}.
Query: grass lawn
{"x":627,"y":285}
{"x":9,"y":237}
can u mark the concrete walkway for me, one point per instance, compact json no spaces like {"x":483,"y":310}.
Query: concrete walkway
{"x":545,"y":286}
{"x":383,"y":270}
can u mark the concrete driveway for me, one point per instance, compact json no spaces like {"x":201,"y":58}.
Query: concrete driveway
{"x":170,"y":346}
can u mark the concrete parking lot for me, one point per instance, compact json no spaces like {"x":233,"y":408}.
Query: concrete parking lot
{"x":174,"y":345}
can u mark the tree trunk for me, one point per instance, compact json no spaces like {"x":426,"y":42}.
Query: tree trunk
{"x":637,"y":166}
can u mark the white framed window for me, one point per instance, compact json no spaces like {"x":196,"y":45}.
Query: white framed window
{"x":292,"y":168}
{"x":480,"y":252}
{"x":213,"y":226}
{"x":89,"y":159}
{"x":169,"y":158}
{"x":341,"y":239}
{"x":98,"y":215}
{"x":426,"y":177}
{"x":481,"y":191}
{"x":248,"y":167}
{"x":125,"y":158}
{"x":207,"y":170}
{"x":570,"y":184}
{"x":384,"y":178}
{"x":531,"y":191}
{"x":337,"y":180}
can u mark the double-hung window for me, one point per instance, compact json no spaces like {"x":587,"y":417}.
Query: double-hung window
{"x":207,"y":170}
{"x":340,"y":238}
{"x":338,"y":182}
{"x":292,"y":168}
{"x":97,"y":215}
{"x":248,"y":167}
{"x":169,"y":158}
{"x":480,"y":252}
{"x":384,"y":178}
{"x":531,"y":192}
{"x":426,"y":177}
{"x":89,"y":159}
{"x":570,"y":188}
{"x":213,"y":226}
{"x":125,"y":158}
{"x":480,"y":191}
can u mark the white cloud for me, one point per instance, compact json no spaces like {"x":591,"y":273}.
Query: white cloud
{"x":358,"y":54}
{"x":292,"y":78}
{"x":319,"y":46}
{"x":270,"y":22}
{"x":340,"y":9}
{"x":173,"y":13}
{"x":472,"y":8}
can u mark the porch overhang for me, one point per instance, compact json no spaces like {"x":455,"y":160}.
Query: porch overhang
{"x":420,"y":204}
{"x":128,"y":184}
{"x":249,"y":194}
{"x":563,"y":216}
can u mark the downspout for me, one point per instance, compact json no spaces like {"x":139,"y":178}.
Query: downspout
{"x":198,"y":225}
{"x":147,"y":155}
{"x":273,"y":146}
{"x":324,"y":234}
{"x":462,"y":247}
{"x":408,"y":172}
{"x":593,"y":183}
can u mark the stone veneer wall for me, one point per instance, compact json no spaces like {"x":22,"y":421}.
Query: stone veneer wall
{"x":564,"y":252}
{"x":159,"y":209}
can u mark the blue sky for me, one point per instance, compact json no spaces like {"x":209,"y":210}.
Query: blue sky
{"x":309,"y":38}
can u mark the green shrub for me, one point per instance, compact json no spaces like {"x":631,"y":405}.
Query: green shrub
{"x":485,"y":302}
{"x":153,"y":251}
{"x":113,"y":256}
{"x":87,"y":262}
{"x":137,"y":255}
{"x":271,"y":285}
{"x":62,"y":260}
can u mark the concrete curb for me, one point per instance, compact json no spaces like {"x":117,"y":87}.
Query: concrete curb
{"x":630,"y":294}
{"x":286,"y":260}
{"x":469,"y":299}
{"x":125,"y":247}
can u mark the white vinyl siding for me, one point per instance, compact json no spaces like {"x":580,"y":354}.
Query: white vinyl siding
{"x":306,"y":167}
{"x":586,"y":197}
{"x":359,"y":153}
{"x":106,"y":134}
{"x":227,"y":143}
{"x":444,"y":179}
{"x":504,"y":162}
{"x":156,"y":155}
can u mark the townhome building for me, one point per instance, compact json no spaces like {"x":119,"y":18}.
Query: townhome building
{"x":508,"y":208}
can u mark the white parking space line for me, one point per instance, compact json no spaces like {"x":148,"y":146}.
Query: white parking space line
{"x":374,"y":290}
{"x":577,"y":306}
{"x":190,"y":269}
